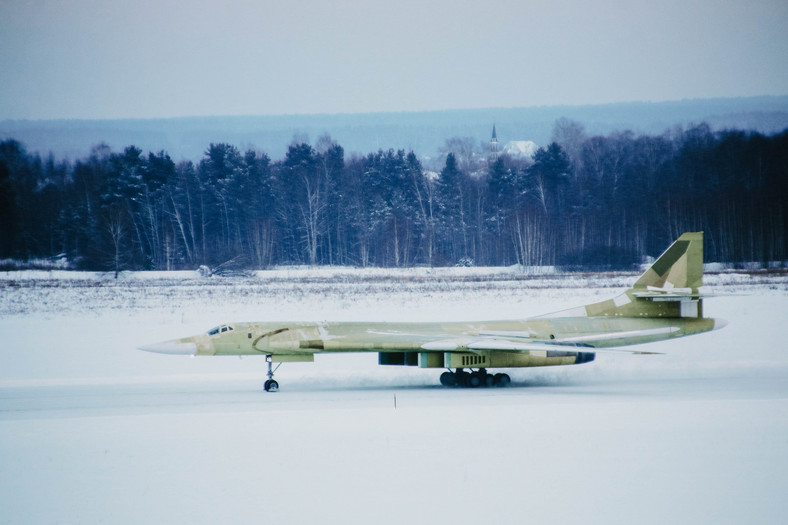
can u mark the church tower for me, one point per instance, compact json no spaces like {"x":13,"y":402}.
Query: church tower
{"x":494,"y":146}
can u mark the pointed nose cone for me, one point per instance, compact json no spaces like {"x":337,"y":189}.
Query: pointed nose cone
{"x":171,"y":347}
{"x":720,"y":323}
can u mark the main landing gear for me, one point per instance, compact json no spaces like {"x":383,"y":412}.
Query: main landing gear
{"x":271,"y":385}
{"x":480,"y":378}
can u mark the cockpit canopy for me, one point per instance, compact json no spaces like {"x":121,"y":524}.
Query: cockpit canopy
{"x":220,"y":329}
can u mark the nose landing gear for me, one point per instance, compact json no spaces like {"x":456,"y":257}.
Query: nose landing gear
{"x":479,"y":378}
{"x":271,"y":385}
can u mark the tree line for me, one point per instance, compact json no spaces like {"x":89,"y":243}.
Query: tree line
{"x":599,"y":201}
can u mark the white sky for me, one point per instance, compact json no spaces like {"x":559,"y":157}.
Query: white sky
{"x":162,"y":58}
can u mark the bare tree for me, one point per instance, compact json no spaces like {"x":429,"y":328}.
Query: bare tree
{"x":464,"y":151}
{"x":570,"y":135}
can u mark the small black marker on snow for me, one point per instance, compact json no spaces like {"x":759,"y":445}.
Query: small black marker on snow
{"x":395,"y":401}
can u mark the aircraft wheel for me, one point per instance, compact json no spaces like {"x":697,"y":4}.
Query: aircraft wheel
{"x":502,"y":380}
{"x":448,"y":379}
{"x":474,"y":380}
{"x":271,"y":386}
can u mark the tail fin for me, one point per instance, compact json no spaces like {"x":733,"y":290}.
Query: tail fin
{"x":681,"y":266}
{"x":669,"y":288}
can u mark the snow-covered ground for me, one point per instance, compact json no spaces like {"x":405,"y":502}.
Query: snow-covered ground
{"x":92,"y":430}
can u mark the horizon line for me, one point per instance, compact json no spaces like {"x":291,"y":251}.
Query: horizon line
{"x":402,"y":112}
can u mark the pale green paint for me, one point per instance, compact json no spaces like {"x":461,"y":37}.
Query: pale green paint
{"x":649,"y":311}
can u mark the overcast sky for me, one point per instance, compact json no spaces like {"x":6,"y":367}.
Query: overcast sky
{"x":161,"y":58}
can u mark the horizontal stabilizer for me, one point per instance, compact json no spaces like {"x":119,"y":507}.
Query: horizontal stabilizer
{"x":669,"y":290}
{"x":670,"y":294}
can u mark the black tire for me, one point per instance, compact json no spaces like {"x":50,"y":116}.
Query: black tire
{"x":271,"y":386}
{"x":448,"y":379}
{"x":474,"y":380}
{"x":502,"y":380}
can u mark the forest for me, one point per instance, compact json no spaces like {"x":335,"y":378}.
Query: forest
{"x":581,"y":202}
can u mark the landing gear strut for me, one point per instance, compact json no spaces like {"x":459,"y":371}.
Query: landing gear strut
{"x":271,"y":385}
{"x":479,"y":378}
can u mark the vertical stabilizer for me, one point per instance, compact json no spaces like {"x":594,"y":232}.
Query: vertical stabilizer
{"x":669,"y":288}
{"x":681,"y":266}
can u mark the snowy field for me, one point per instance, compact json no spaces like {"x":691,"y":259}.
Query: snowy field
{"x":94,"y":431}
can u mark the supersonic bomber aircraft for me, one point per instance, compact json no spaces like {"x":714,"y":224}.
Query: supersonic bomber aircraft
{"x":664,"y":303}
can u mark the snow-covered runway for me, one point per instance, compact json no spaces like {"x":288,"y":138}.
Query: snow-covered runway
{"x":92,"y":430}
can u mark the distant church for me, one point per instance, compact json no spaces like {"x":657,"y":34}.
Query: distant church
{"x":514,"y":148}
{"x":493,"y":154}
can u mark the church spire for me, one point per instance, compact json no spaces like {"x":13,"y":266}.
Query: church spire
{"x":494,"y":145}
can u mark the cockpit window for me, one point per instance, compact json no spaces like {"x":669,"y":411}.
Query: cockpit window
{"x":223,"y":328}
